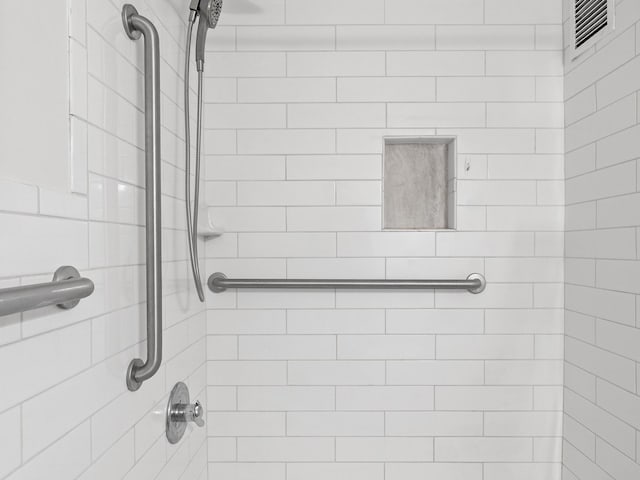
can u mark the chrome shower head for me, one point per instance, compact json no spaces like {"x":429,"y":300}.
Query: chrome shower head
{"x":209,"y":13}
{"x":213,"y":10}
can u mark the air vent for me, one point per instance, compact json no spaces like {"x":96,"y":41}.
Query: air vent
{"x":592,"y":19}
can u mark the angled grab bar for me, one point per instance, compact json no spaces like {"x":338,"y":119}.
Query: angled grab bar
{"x":474,"y":283}
{"x":65,"y":290}
{"x":136,"y":25}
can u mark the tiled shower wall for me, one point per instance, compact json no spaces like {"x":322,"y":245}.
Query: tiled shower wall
{"x":65,"y":410}
{"x":602,"y":380}
{"x":398,"y":385}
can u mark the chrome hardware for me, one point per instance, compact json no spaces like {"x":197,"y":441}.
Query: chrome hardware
{"x":136,"y":25}
{"x":208,"y":13}
{"x":482,"y":283}
{"x":181,"y":412}
{"x":474,"y":283}
{"x":65,"y":290}
{"x":189,"y":413}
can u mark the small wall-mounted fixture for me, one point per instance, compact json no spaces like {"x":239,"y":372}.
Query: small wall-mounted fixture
{"x":419,"y":183}
{"x":207,"y":227}
{"x":180,"y":412}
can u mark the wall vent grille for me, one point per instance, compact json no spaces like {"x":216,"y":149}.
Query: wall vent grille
{"x":592,"y":19}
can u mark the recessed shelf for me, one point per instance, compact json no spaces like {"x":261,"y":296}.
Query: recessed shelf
{"x":419,"y":181}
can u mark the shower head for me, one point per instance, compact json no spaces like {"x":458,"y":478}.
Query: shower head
{"x":213,"y":9}
{"x":209,"y":13}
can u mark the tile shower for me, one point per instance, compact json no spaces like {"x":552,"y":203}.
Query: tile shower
{"x":399,"y":385}
{"x":536,"y":378}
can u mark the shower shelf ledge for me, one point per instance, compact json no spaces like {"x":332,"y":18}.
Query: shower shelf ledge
{"x":207,"y":228}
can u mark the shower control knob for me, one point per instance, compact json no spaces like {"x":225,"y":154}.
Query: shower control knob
{"x":195,"y":413}
{"x":181,"y":412}
{"x":188,"y":413}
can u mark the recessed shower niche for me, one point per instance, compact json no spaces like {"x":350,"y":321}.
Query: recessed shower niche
{"x":419,"y":183}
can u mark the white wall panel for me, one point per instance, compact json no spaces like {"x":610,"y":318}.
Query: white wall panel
{"x":601,"y":399}
{"x":65,"y":404}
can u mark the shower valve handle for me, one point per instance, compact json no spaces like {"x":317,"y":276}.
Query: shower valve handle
{"x":180,"y":412}
{"x":193,"y":412}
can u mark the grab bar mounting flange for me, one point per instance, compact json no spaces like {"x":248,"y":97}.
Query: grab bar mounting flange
{"x":63,"y":273}
{"x":65,"y":290}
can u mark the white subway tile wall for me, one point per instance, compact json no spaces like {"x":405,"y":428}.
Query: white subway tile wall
{"x":387,"y":385}
{"x":602,"y":343}
{"x":65,"y":407}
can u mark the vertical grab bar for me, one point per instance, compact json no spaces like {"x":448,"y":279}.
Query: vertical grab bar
{"x":136,"y":25}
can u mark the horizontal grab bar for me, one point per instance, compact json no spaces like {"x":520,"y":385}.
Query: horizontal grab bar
{"x":65,"y":291}
{"x":474,"y":283}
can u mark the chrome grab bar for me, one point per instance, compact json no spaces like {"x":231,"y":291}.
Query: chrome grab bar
{"x":65,"y":290}
{"x":136,"y":25}
{"x":474,"y":283}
